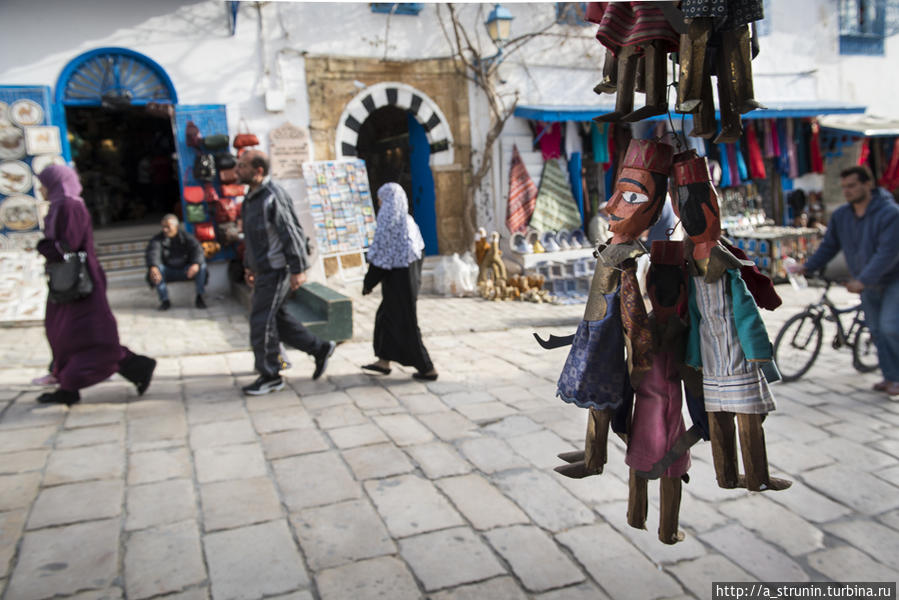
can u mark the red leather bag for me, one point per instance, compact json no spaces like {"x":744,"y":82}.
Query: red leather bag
{"x":194,"y":194}
{"x":233,"y":189}
{"x":204,"y":232}
{"x":192,"y":135}
{"x":244,"y":138}
{"x":225,"y":210}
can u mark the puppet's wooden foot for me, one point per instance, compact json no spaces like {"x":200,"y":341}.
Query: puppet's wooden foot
{"x":637,"y":501}
{"x":755,"y":455}
{"x":669,"y":510}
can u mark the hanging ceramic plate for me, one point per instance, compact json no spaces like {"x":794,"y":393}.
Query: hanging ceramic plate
{"x":4,"y":112}
{"x":42,"y":161}
{"x":12,"y":141}
{"x":26,"y":113}
{"x":42,"y":140}
{"x":15,"y":177}
{"x":19,"y":213}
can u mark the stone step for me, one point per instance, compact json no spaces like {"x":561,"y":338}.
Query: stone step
{"x":123,"y":247}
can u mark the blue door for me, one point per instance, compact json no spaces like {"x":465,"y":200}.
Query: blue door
{"x":424,"y":209}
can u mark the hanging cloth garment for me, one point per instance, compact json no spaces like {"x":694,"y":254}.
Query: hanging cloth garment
{"x":773,"y":126}
{"x":522,"y":195}
{"x":802,"y":136}
{"x":783,"y":155}
{"x":865,"y":152}
{"x":789,"y":135}
{"x":556,"y":208}
{"x":817,"y":159}
{"x":756,"y":162}
{"x":577,"y":186}
{"x":550,"y":141}
{"x":741,"y":162}
{"x":573,"y":142}
{"x":769,"y":139}
{"x":890,"y":179}
{"x":599,"y":139}
{"x":726,"y":180}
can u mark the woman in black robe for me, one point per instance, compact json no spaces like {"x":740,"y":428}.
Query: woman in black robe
{"x":83,"y":334}
{"x":395,"y":258}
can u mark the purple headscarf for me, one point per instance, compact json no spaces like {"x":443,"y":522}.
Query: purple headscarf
{"x":62,"y":183}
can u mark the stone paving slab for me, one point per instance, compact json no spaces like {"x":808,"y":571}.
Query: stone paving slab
{"x":368,"y":486}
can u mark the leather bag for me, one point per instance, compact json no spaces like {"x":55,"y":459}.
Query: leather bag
{"x":69,"y":280}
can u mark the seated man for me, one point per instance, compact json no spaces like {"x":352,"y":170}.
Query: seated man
{"x":175,"y":255}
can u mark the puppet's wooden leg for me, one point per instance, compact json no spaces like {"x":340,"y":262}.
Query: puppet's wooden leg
{"x":669,"y":510}
{"x":724,"y":449}
{"x":755,"y":455}
{"x":594,"y":456}
{"x":637,"y":501}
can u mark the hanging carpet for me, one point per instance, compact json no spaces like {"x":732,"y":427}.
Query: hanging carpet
{"x":556,"y":208}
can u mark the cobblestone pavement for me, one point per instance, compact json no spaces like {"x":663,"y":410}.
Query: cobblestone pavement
{"x":384,"y":487}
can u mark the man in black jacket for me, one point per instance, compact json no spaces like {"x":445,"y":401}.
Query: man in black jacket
{"x":276,"y":259}
{"x":175,"y":255}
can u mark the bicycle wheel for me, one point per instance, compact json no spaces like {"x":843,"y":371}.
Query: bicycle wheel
{"x":797,"y":345}
{"x":864,"y":353}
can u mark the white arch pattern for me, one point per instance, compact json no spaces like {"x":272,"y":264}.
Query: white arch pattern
{"x":406,"y":97}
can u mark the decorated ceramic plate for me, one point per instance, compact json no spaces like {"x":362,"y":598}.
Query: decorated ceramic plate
{"x":26,"y":113}
{"x":12,"y":141}
{"x":4,"y":112}
{"x":19,"y":213}
{"x":15,"y":177}
{"x":42,"y":161}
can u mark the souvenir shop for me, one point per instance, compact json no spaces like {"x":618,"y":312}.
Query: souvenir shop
{"x":769,"y":182}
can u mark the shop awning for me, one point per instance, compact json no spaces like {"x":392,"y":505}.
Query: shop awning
{"x":861,"y":125}
{"x":774,"y":110}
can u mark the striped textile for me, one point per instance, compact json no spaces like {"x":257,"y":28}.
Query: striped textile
{"x":635,"y":24}
{"x":730,"y":383}
{"x":555,"y":208}
{"x":522,"y":195}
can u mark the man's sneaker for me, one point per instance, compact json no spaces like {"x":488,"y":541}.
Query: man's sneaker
{"x":321,"y":361}
{"x":165,"y":305}
{"x":264,"y":385}
{"x":199,"y":302}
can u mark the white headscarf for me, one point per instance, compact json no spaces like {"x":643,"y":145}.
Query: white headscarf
{"x":397,"y":240}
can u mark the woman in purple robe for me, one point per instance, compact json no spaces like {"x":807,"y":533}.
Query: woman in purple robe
{"x":83,"y":335}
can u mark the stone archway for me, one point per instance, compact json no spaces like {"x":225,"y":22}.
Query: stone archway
{"x":406,"y":97}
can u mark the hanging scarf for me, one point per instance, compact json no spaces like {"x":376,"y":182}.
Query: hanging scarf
{"x":793,"y":171}
{"x":817,"y":159}
{"x":769,"y":139}
{"x":756,"y":162}
{"x":550,"y":140}
{"x":62,"y":183}
{"x":741,"y":162}
{"x":726,"y":180}
{"x":599,"y":139}
{"x":522,"y":195}
{"x":397,"y":240}
{"x":865,"y":152}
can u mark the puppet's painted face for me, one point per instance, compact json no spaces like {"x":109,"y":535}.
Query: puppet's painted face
{"x":696,"y":203}
{"x":640,"y":190}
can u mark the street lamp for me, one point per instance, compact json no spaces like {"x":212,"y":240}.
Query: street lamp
{"x":499,"y":25}
{"x":499,"y":28}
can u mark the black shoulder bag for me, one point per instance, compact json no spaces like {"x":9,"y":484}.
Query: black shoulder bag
{"x":69,"y":279}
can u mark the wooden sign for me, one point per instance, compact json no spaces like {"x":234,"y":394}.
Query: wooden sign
{"x":289,"y":149}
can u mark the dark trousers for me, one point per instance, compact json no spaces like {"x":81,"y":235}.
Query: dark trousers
{"x":270,"y":323}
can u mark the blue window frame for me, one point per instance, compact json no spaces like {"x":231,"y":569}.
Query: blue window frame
{"x":571,"y":13}
{"x":401,"y":8}
{"x":862,"y":26}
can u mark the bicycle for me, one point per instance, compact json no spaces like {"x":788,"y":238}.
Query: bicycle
{"x":798,"y":342}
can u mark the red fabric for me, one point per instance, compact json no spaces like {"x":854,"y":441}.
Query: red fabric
{"x":522,"y":195}
{"x":775,"y":139}
{"x":756,"y":162}
{"x":817,"y":158}
{"x":866,"y":151}
{"x":634,"y":24}
{"x":550,"y":140}
{"x":759,"y":285}
{"x":890,"y":179}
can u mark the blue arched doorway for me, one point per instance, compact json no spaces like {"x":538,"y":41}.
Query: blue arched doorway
{"x":116,"y":107}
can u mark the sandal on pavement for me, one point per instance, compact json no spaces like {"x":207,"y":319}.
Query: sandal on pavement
{"x":377,"y":368}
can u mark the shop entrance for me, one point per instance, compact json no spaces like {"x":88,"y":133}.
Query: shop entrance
{"x":395,"y":148}
{"x":124,"y":157}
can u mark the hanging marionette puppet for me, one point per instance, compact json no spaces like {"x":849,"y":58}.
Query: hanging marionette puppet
{"x":727,"y":338}
{"x":595,"y":375}
{"x":637,"y":38}
{"x":718,"y":39}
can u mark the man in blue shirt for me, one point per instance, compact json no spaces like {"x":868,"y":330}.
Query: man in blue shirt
{"x":866,"y":229}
